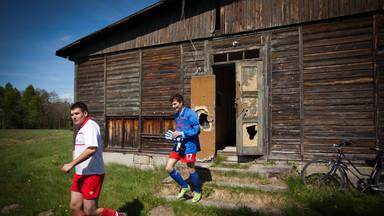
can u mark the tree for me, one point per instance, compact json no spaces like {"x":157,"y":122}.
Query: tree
{"x":33,"y":108}
{"x":11,"y":116}
{"x":30,"y":104}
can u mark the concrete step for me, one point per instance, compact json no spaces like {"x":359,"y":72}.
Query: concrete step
{"x":220,"y":187}
{"x":230,"y":206}
{"x":229,"y":152}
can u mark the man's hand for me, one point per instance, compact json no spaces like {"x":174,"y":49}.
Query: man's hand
{"x":176,"y":134}
{"x":66,"y":168}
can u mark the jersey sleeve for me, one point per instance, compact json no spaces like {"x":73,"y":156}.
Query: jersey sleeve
{"x":91,"y":137}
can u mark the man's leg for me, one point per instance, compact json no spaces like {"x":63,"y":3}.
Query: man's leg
{"x":91,"y":208}
{"x":177,"y":177}
{"x":77,"y":203}
{"x":174,"y":174}
{"x":195,"y":180}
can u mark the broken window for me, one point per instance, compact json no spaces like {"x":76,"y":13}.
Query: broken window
{"x":236,"y":55}
{"x":252,"y":131}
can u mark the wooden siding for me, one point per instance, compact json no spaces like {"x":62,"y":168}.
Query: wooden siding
{"x":160,"y":79}
{"x":379,"y":67}
{"x":193,"y":57}
{"x":338,"y":86}
{"x":123,"y":134}
{"x":90,"y":88}
{"x":285,"y":93}
{"x":123,"y":84}
{"x":322,"y":88}
{"x":326,"y":84}
{"x":153,"y":131}
{"x":165,"y":24}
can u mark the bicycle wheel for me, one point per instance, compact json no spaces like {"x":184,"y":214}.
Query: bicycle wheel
{"x":316,"y":175}
{"x":379,"y":181}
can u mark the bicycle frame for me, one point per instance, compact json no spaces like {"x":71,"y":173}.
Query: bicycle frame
{"x":344,"y":166}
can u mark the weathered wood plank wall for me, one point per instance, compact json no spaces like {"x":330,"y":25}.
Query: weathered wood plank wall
{"x":285,"y":93}
{"x":337,"y":78}
{"x":327,"y":79}
{"x":193,"y":60}
{"x":90,"y":88}
{"x":379,"y":73}
{"x":338,"y":85}
{"x":161,"y":78}
{"x":123,"y":84}
{"x":199,"y":20}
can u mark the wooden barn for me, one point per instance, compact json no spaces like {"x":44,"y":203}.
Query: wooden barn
{"x":278,"y":79}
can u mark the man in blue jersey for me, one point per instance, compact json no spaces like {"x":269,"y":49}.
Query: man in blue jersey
{"x":187,"y":131}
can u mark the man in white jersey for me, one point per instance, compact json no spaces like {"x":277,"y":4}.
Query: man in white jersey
{"x":89,"y":166}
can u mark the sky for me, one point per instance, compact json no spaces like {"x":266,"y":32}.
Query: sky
{"x":32,"y":30}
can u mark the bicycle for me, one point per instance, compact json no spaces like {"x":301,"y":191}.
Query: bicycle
{"x":331,"y":173}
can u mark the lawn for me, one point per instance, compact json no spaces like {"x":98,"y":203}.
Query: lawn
{"x":31,"y":182}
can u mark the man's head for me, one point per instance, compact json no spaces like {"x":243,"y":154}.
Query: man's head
{"x":177,"y":102}
{"x":79,"y":112}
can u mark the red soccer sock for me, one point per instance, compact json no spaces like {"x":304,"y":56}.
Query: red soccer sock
{"x":108,"y":212}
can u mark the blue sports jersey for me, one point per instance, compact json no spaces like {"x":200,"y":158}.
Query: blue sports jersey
{"x":188,"y":123}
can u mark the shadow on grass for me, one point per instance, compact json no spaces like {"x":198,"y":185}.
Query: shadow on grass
{"x":132,"y":208}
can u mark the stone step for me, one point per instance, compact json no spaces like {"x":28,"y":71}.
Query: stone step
{"x":230,"y":206}
{"x":229,"y":152}
{"x":266,"y":171}
{"x":222,"y":189}
{"x":260,"y":187}
{"x":270,"y":188}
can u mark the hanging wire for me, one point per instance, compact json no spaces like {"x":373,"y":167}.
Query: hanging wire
{"x":182,"y":18}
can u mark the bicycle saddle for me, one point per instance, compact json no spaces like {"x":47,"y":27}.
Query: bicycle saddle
{"x":381,"y":150}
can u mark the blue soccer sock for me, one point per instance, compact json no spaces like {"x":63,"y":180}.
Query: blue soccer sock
{"x":178,"y":178}
{"x":196,"y":182}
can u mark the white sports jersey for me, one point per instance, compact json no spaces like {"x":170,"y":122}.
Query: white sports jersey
{"x":89,"y":136}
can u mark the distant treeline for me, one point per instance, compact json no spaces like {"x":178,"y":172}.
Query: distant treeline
{"x":33,"y":109}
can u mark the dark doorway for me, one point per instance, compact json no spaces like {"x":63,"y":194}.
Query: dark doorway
{"x":225,"y":105}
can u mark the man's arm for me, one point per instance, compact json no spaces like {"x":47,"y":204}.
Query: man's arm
{"x":84,"y":156}
{"x":194,"y":122}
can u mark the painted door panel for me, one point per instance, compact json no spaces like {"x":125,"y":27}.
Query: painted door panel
{"x":249,"y":100}
{"x":203,"y":102}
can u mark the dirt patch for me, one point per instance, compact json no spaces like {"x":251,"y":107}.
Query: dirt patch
{"x":162,"y":210}
{"x":8,"y":209}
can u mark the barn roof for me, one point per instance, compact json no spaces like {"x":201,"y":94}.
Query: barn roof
{"x":64,"y":51}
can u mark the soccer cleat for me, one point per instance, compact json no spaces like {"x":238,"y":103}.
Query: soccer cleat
{"x":196,"y":198}
{"x":183,"y":191}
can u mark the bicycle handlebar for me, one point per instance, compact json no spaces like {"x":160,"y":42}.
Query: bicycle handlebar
{"x":344,"y":142}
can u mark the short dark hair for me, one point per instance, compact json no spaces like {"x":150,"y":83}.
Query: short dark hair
{"x":80,"y":105}
{"x":177,"y":97}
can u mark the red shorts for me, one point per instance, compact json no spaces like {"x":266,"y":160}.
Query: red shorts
{"x":88,"y":185}
{"x":182,"y":157}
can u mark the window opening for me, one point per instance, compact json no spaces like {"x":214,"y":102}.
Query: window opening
{"x":235,"y":56}
{"x":238,"y":55}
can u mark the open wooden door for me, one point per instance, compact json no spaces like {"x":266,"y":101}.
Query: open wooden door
{"x":203,"y":102}
{"x":249,"y":109}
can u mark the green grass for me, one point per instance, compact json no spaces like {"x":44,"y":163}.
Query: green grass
{"x":31,"y":177}
{"x":302,"y":201}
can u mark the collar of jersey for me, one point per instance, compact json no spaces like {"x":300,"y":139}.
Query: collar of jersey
{"x":85,"y":121}
{"x":182,"y":112}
